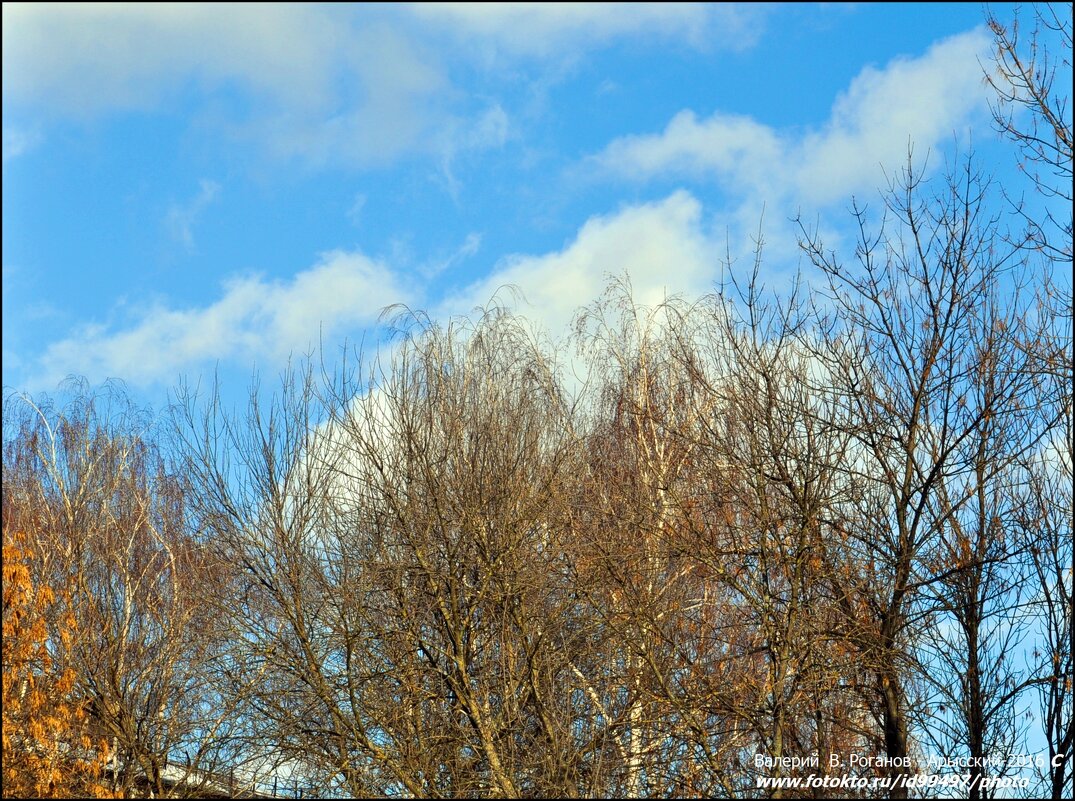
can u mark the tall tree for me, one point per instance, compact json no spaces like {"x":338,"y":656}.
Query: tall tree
{"x":1033,"y":110}
{"x":406,"y":586}
{"x":936,"y":407}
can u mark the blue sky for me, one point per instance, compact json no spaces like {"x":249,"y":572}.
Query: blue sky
{"x":193,"y":186}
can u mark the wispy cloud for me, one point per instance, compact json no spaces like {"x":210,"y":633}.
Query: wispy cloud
{"x":488,"y":131}
{"x":470,"y":246}
{"x":322,"y":84}
{"x":254,"y":319}
{"x":360,"y":87}
{"x":181,"y":217}
{"x":18,"y":141}
{"x":91,"y":58}
{"x":354,"y":211}
{"x":542,"y":29}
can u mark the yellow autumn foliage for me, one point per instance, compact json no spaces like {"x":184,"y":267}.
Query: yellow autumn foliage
{"x":47,"y":750}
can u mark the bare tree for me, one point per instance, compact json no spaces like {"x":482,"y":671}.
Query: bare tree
{"x":936,"y":405}
{"x":90,"y":484}
{"x":1044,"y":522}
{"x":258,"y":492}
{"x":407,"y":589}
{"x":460,"y":452}
{"x":705,"y":505}
{"x":982,"y":587}
{"x":631,"y":511}
{"x":1034,"y":112}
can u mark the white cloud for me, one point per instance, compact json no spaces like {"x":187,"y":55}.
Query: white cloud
{"x":88,"y":58}
{"x":922,"y":101}
{"x":661,"y":245}
{"x":327,"y":85}
{"x":254,"y":319}
{"x":323,"y":84}
{"x":400,"y":102}
{"x":733,"y":149}
{"x":541,"y":29}
{"x":182,"y":217}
